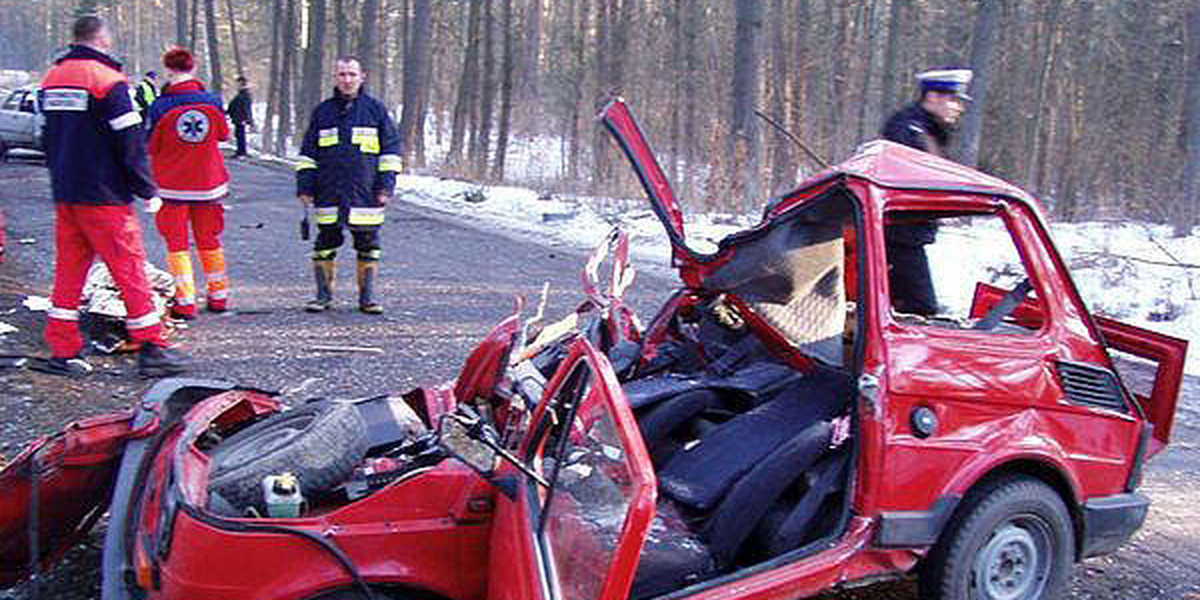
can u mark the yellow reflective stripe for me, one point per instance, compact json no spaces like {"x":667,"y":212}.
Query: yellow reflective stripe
{"x":389,"y":163}
{"x":366,"y":138}
{"x":305,"y":162}
{"x":366,"y":216}
{"x":329,"y":254}
{"x":327,"y":137}
{"x":327,"y":215}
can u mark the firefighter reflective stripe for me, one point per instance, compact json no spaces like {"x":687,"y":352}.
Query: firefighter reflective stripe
{"x":329,"y":254}
{"x":366,"y":138}
{"x":64,"y":100}
{"x":149,"y":319}
{"x":366,"y":216}
{"x":63,"y":314}
{"x":370,"y":255}
{"x":214,"y":273}
{"x":180,"y":266}
{"x":125,"y":121}
{"x":305,"y":162}
{"x":327,"y":137}
{"x":327,"y":215}
{"x":389,"y":162}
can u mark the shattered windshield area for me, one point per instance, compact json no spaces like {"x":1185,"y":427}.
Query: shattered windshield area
{"x":793,"y":274}
{"x":593,"y":491}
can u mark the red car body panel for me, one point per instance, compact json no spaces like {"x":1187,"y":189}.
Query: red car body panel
{"x":998,"y":399}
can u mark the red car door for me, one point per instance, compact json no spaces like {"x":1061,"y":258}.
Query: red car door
{"x":579,"y":537}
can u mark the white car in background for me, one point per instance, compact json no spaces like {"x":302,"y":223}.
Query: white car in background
{"x":20,"y":121}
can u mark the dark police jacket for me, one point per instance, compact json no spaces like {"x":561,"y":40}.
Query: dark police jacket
{"x":95,"y":146}
{"x":350,"y":154}
{"x":239,"y":110}
{"x":915,"y":127}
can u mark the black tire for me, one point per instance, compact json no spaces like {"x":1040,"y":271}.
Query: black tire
{"x":1010,"y":540}
{"x":319,"y":443}
{"x":3,"y":152}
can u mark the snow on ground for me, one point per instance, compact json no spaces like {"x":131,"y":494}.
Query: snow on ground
{"x":1132,"y":272}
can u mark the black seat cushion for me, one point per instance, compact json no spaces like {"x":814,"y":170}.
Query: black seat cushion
{"x":658,"y":421}
{"x":699,"y":474}
{"x":672,"y":558}
{"x":748,"y":500}
{"x":798,"y":523}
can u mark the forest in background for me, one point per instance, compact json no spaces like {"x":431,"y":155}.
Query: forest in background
{"x":1092,"y":105}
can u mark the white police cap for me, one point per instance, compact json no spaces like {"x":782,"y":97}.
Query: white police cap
{"x":950,"y":81}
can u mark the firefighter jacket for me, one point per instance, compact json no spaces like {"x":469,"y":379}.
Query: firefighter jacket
{"x":187,"y":123}
{"x":350,"y":155}
{"x":144,"y":95}
{"x":95,"y":145}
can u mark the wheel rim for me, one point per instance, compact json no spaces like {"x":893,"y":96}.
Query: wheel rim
{"x":1014,"y":564}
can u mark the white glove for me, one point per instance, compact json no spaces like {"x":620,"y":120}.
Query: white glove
{"x":153,"y":203}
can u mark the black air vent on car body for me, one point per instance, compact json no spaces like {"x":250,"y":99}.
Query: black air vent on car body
{"x":1092,"y":385}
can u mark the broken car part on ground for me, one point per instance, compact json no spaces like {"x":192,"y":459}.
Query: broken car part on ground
{"x":777,"y":429}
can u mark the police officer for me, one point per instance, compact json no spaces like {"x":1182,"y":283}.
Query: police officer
{"x":348,"y":165}
{"x":241,"y":113}
{"x":96,"y":153}
{"x":925,"y":125}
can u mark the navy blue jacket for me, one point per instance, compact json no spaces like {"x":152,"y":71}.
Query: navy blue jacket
{"x":95,"y":145}
{"x":350,"y":153}
{"x":915,"y":127}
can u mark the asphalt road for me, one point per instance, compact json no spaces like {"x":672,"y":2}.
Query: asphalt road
{"x":444,"y":282}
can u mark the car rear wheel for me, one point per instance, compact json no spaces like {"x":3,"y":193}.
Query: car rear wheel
{"x":319,"y":443}
{"x":1011,"y":540}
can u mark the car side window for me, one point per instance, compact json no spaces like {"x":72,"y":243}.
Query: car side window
{"x":13,"y":102}
{"x":937,"y":262}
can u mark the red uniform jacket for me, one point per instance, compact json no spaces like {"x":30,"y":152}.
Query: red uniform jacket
{"x":188,"y":122}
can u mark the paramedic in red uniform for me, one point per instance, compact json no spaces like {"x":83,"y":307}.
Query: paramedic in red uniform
{"x":187,"y":123}
{"x":347,"y":169}
{"x":97,"y":158}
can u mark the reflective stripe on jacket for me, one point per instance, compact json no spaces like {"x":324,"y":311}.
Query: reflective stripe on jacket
{"x":350,"y":155}
{"x":95,"y":145}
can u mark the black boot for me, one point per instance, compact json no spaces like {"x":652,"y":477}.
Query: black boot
{"x":156,"y":361}
{"x":325,"y":272}
{"x":366,"y":287}
{"x":73,"y":366}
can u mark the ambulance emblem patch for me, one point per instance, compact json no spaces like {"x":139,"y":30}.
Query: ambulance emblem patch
{"x":192,"y":126}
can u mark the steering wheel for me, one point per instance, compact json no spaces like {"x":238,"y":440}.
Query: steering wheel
{"x":1004,"y":307}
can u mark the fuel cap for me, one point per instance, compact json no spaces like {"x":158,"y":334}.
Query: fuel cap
{"x":923,"y":421}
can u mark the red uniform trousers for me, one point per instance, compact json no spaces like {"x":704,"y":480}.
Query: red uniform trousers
{"x":111,"y":232}
{"x":208,"y":222}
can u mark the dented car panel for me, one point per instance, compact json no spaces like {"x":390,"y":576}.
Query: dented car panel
{"x":778,"y":429}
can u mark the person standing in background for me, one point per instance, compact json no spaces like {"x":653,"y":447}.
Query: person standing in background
{"x":241,"y":112}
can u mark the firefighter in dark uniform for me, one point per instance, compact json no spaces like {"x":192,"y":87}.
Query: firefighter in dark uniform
{"x":145,"y":93}
{"x":925,"y":125}
{"x":348,"y":165}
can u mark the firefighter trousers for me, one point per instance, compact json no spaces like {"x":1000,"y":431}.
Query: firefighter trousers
{"x":110,"y":232}
{"x":207,"y":220}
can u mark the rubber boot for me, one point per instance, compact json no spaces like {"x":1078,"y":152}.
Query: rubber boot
{"x":325,"y":272}
{"x":366,"y":287}
{"x":157,"y":361}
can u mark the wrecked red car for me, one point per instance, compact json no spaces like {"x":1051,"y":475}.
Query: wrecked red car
{"x":778,"y":429}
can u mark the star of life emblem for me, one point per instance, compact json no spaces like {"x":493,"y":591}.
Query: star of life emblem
{"x":192,"y":126}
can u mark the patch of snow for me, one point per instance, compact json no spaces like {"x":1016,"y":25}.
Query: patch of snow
{"x":37,"y":303}
{"x":5,"y":328}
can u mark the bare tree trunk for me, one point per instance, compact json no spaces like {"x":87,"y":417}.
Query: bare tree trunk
{"x":744,"y":145}
{"x":233,"y":36}
{"x":273,"y":76}
{"x":983,"y":48}
{"x":1188,"y":205}
{"x":468,"y":86}
{"x":415,"y":82}
{"x":578,"y":39}
{"x":368,"y":39}
{"x":286,"y":111}
{"x":891,"y":57}
{"x":866,"y":130}
{"x":1044,"y":66}
{"x":782,"y":165}
{"x":194,"y":23}
{"x":181,"y":23}
{"x":533,"y":47}
{"x":602,"y":74}
{"x":482,"y":139}
{"x":314,"y":59}
{"x":341,"y":27}
{"x":693,"y":21}
{"x":506,"y":91}
{"x":214,"y":46}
